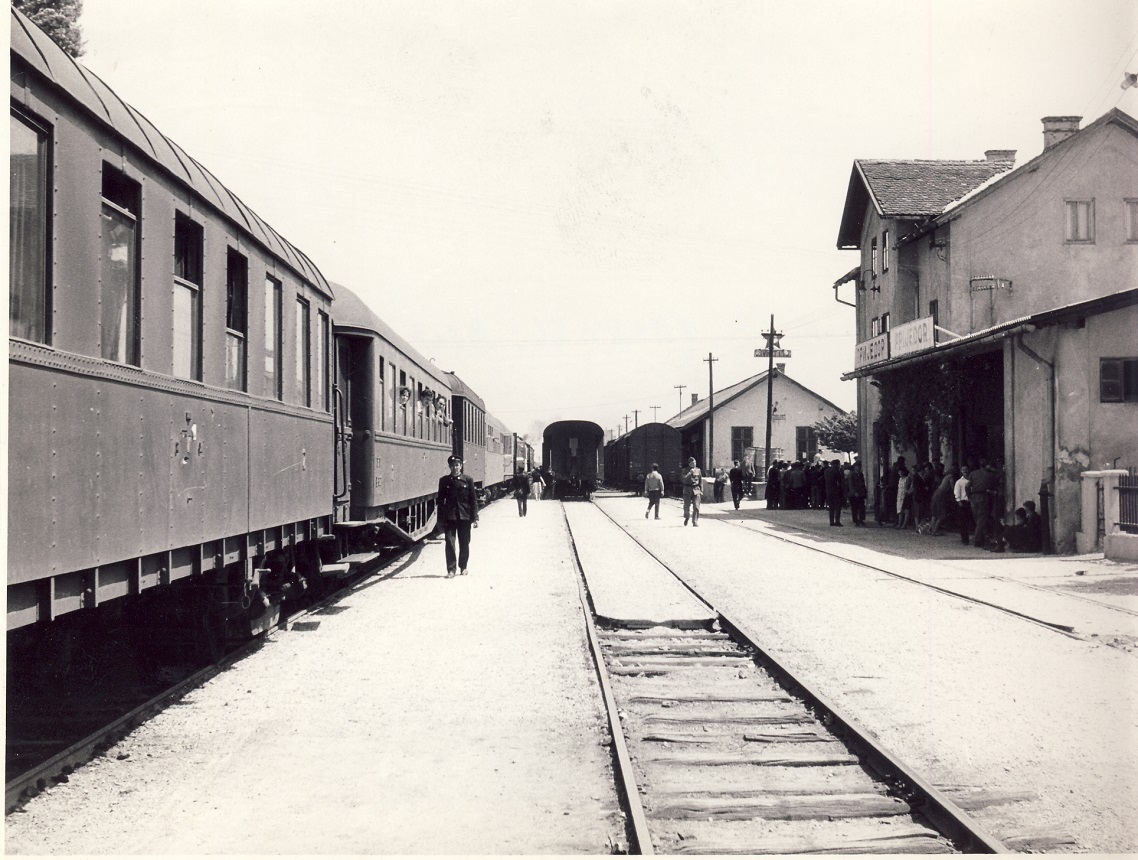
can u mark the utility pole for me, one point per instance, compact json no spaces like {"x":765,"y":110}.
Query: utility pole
{"x":626,"y":424}
{"x":772,"y":349}
{"x":710,"y":414}
{"x":681,"y":387}
{"x":636,"y":417}
{"x":655,"y":409}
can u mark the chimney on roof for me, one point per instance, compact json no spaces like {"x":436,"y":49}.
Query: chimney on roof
{"x":781,"y":367}
{"x":694,"y":399}
{"x":1058,"y":128}
{"x":1000,"y":154}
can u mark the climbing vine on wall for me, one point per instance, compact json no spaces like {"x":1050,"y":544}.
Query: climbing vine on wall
{"x":916,"y":400}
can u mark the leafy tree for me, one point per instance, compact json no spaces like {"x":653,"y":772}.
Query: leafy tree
{"x":838,"y":433}
{"x":59,"y":19}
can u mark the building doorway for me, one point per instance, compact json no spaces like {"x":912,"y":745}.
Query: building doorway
{"x":980,"y":433}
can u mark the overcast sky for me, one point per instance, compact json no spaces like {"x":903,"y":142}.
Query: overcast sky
{"x":571,"y":204}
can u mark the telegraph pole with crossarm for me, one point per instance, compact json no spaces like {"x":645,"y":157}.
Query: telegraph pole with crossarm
{"x":772,"y":350}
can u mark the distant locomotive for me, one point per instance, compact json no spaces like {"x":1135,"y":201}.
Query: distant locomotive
{"x":629,"y":458}
{"x":572,"y":452}
{"x":198,"y":419}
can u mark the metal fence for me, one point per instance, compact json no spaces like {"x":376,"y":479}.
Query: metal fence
{"x":1128,"y":501}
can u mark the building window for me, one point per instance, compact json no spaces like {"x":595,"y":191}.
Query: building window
{"x":28,"y":236}
{"x":119,"y":311}
{"x":322,"y":361}
{"x":874,"y":327}
{"x":189,"y":250}
{"x":873,"y":257}
{"x":236,"y":319}
{"x":885,"y":251}
{"x":274,"y":371}
{"x":1131,"y":220}
{"x":741,"y":438}
{"x":884,"y":323}
{"x":1081,"y":221}
{"x":1118,"y":380}
{"x":303,"y":354}
{"x":806,"y":443}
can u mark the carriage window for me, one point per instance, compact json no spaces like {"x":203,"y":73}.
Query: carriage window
{"x":322,"y":361}
{"x":27,"y":233}
{"x":303,"y":354}
{"x":236,"y":319}
{"x":381,"y":413}
{"x":119,"y":300}
{"x":188,"y":253}
{"x":389,"y":399}
{"x":273,"y":335}
{"x":402,"y":402}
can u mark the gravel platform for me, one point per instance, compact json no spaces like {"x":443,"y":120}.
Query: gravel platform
{"x":1031,"y":729}
{"x":628,"y":587}
{"x":422,"y":715}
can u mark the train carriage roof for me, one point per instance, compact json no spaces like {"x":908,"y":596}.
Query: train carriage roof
{"x":461,"y":389}
{"x":99,"y":101}
{"x":351,"y":313}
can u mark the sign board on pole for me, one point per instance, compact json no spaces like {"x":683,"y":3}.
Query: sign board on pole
{"x":766,"y":353}
{"x":912,"y":337}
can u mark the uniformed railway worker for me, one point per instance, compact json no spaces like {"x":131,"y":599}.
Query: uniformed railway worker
{"x":693,"y":491}
{"x":458,"y":513}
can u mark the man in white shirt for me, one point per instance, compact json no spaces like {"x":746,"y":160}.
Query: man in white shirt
{"x":963,"y":505}
{"x":654,"y":490}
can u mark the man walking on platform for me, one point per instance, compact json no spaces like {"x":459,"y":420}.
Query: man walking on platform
{"x":693,"y":492}
{"x":654,"y":490}
{"x":960,"y":492}
{"x":458,"y":513}
{"x":736,"y":478}
{"x":522,"y":486}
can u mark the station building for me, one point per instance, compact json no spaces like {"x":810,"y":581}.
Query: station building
{"x":997,"y":308}
{"x":740,"y":423}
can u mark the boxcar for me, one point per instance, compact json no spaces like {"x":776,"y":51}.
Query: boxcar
{"x":572,"y":451}
{"x":393,"y":432}
{"x":653,"y":443}
{"x":169,"y":381}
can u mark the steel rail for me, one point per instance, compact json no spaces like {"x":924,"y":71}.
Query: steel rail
{"x":48,"y":772}
{"x":640,"y":837}
{"x":1064,"y":629}
{"x":949,"y":818}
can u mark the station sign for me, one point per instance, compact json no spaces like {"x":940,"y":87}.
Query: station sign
{"x":766,"y":353}
{"x":871,"y":351}
{"x":912,"y":337}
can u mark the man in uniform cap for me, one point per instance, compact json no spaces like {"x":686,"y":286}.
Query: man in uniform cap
{"x":458,"y":513}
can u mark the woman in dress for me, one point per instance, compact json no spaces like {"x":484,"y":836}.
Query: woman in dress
{"x":942,"y":498}
{"x":904,"y":497}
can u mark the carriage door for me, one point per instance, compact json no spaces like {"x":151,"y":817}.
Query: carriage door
{"x":342,"y":412}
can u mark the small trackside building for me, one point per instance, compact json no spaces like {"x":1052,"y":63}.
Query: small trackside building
{"x":996,"y":311}
{"x":740,"y":420}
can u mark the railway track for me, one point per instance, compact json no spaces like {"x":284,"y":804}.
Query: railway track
{"x":124,"y":713}
{"x":720,"y":750}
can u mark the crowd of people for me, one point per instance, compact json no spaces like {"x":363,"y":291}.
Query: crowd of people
{"x":928,"y":499}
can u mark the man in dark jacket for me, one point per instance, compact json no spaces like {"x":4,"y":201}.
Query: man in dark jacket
{"x":832,"y":477}
{"x":856,"y":492}
{"x":458,"y":513}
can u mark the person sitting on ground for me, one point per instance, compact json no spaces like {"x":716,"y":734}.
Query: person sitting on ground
{"x":1034,"y":527}
{"x":1017,"y":537}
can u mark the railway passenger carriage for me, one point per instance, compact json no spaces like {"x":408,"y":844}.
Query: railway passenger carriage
{"x":573,"y":453}
{"x":168,"y":358}
{"x":469,"y":436}
{"x":201,"y":426}
{"x":393,"y":429}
